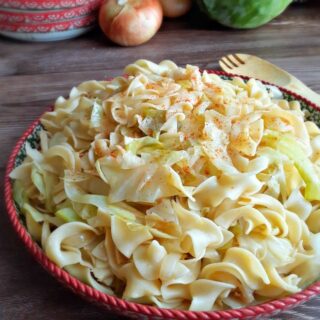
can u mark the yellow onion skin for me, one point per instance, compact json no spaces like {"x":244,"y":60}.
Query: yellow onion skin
{"x":175,"y":8}
{"x":130,"y":22}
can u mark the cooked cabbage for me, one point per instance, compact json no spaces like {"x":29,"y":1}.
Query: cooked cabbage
{"x":176,"y":188}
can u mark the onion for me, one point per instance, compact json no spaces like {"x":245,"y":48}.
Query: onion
{"x":175,"y":8}
{"x":130,"y":22}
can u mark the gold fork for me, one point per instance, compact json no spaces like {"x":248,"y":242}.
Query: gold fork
{"x":252,"y":66}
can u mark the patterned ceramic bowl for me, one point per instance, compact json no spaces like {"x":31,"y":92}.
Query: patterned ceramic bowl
{"x":44,"y":4}
{"x":134,"y":310}
{"x":48,"y":27}
{"x":8,"y":15}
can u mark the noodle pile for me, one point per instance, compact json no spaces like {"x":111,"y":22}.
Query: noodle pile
{"x":177,"y":188}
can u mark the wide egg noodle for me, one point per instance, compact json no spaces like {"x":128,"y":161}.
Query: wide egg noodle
{"x":176,"y":188}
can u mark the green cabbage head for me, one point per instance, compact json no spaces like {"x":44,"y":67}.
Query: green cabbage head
{"x":243,"y":14}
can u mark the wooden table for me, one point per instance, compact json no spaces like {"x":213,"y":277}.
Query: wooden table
{"x":32,"y":75}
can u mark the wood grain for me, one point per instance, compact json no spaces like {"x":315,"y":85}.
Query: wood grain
{"x":32,"y":75}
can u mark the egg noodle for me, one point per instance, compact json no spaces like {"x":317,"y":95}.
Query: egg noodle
{"x":176,"y":188}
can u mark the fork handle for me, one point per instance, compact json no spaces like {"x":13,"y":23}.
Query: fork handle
{"x":299,"y":87}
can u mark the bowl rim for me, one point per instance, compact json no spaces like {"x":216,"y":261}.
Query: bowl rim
{"x":116,"y":304}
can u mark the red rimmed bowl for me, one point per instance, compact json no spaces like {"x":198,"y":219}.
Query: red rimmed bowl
{"x":44,"y":4}
{"x":8,"y":15}
{"x":135,"y":310}
{"x":48,"y":27}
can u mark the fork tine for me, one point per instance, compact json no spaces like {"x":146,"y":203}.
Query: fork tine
{"x":223,"y":66}
{"x":238,"y":58}
{"x":224,"y":61}
{"x":233,"y":60}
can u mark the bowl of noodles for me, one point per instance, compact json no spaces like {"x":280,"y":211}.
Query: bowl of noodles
{"x":171,"y":193}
